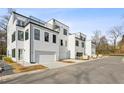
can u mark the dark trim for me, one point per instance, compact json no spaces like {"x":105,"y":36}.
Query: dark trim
{"x":27,"y":17}
{"x":30,"y":43}
{"x":79,"y":39}
{"x":57,"y":21}
{"x":42,"y":26}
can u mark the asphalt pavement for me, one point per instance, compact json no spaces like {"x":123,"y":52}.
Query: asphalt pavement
{"x":109,"y":70}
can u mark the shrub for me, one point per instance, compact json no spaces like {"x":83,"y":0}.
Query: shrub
{"x":8,"y":59}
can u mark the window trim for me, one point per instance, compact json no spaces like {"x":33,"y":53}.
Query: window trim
{"x":35,"y":38}
{"x":13,"y":38}
{"x":20,"y":36}
{"x":27,"y":34}
{"x":65,"y":31}
{"x":77,"y":44}
{"x":46,"y":40}
{"x":13,"y":52}
{"x":54,"y":41}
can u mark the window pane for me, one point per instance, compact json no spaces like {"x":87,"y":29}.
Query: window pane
{"x":77,"y":43}
{"x":13,"y":37}
{"x":26,"y":35}
{"x":46,"y":37}
{"x":65,"y":32}
{"x":61,"y":42}
{"x":20,"y":35}
{"x":83,"y":44}
{"x":13,"y":52}
{"x":36,"y":34}
{"x":54,"y":38}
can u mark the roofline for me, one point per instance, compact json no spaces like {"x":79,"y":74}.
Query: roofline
{"x":57,"y":21}
{"x":42,"y":26}
{"x":26,"y":17}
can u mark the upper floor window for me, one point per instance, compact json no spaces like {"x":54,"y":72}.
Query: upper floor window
{"x":46,"y":36}
{"x":61,"y":42}
{"x":77,"y":43}
{"x":64,"y":31}
{"x":54,"y":38}
{"x":36,"y":34}
{"x":82,"y":44}
{"x":20,"y":23}
{"x":26,"y":34}
{"x":13,"y":37}
{"x":20,"y":35}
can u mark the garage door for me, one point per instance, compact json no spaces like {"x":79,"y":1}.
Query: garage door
{"x":44,"y":59}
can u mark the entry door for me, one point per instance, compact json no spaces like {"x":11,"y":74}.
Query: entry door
{"x":20,"y":54}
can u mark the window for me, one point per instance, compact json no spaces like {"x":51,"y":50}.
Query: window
{"x":54,"y":38}
{"x":64,"y":31}
{"x":77,"y":43}
{"x":13,"y":37}
{"x":13,"y":52}
{"x":26,"y":35}
{"x":20,"y":54}
{"x":82,"y":44}
{"x":46,"y":37}
{"x":36,"y":34}
{"x":61,"y":42}
{"x":20,"y":23}
{"x":66,"y":43}
{"x":20,"y":35}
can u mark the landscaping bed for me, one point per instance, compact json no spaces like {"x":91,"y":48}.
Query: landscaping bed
{"x":18,"y":68}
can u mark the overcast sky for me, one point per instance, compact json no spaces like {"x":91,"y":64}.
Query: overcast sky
{"x":85,"y":20}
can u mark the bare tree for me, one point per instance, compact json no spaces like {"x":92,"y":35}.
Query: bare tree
{"x":115,"y":33}
{"x":3,"y":30}
{"x":4,"y":19}
{"x":96,"y":37}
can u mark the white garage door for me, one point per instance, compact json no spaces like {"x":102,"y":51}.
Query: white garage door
{"x":44,"y":59}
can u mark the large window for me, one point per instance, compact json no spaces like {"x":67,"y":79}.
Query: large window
{"x":26,"y":34}
{"x":82,"y":44}
{"x":54,"y":38}
{"x":20,"y":35}
{"x":36,"y":34}
{"x":13,"y":52}
{"x":13,"y":37}
{"x":77,"y":43}
{"x":64,"y":31}
{"x":46,"y":36}
{"x":61,"y":42}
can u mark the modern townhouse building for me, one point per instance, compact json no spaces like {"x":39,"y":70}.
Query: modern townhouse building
{"x":34,"y":41}
{"x":76,"y":45}
{"x":90,"y":48}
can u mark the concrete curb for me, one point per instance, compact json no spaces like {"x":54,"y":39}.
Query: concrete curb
{"x":7,"y":77}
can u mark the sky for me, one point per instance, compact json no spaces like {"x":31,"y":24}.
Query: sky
{"x":85,"y":20}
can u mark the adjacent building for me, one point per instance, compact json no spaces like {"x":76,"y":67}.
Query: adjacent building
{"x":90,"y":48}
{"x":76,"y":45}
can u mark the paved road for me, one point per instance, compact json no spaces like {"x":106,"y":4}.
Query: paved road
{"x":7,"y":69}
{"x":107,"y":70}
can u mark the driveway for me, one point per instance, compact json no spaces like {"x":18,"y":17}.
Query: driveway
{"x":7,"y":69}
{"x":102,"y":71}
